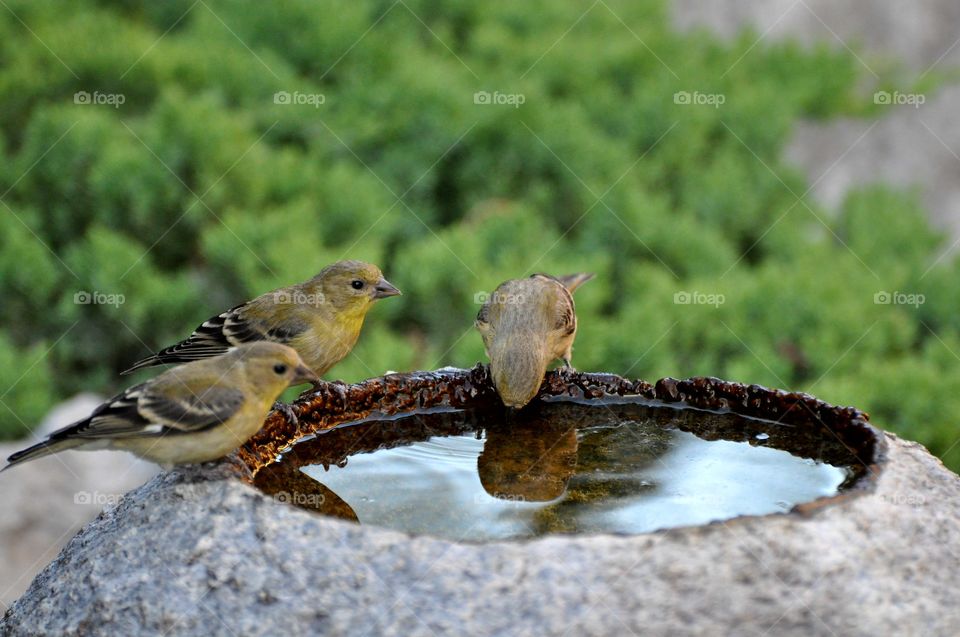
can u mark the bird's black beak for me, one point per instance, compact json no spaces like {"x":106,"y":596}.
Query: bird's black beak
{"x":384,"y":288}
{"x":303,"y":374}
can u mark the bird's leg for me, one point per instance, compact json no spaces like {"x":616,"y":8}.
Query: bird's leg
{"x":287,"y":411}
{"x":314,"y":386}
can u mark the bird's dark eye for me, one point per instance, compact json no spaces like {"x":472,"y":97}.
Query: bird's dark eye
{"x":280,"y":368}
{"x":356,"y":284}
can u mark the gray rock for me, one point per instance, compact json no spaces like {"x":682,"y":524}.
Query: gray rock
{"x":919,"y":34}
{"x":45,"y":502}
{"x":197,"y":552}
{"x":907,"y":146}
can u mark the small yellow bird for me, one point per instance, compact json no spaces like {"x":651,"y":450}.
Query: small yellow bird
{"x":320,"y":318}
{"x":525,"y":324}
{"x":195,"y":412}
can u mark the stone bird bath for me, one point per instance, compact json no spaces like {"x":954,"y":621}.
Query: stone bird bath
{"x":207,"y":550}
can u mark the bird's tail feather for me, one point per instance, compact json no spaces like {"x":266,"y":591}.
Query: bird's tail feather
{"x":140,"y":364}
{"x":44,"y":448}
{"x":573,"y":281}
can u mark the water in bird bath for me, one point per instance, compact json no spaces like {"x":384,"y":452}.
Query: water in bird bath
{"x":558,"y":467}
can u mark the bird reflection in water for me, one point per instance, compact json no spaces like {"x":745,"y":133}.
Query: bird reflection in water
{"x":287,"y":484}
{"x":528,"y":458}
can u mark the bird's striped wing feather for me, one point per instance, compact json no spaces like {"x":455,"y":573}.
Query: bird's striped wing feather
{"x":192,"y":412}
{"x":566,"y":316}
{"x":140,"y":411}
{"x":214,"y":337}
{"x":117,"y":417}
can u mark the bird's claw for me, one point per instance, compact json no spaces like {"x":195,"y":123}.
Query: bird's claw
{"x":306,"y":393}
{"x":287,"y":411}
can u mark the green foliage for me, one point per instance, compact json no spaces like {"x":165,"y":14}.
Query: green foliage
{"x":201,"y":190}
{"x":28,"y":384}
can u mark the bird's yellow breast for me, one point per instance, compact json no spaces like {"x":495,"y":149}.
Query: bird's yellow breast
{"x":328,"y":342}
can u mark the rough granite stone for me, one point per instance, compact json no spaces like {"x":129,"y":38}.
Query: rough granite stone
{"x":198,"y":552}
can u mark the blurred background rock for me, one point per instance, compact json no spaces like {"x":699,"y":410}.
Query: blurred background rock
{"x":913,"y":45}
{"x":752,"y":208}
{"x":47,"y":501}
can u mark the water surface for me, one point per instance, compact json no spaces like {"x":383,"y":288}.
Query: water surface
{"x":557,"y":467}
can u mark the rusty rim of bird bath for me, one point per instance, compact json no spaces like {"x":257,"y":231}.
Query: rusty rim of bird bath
{"x":797,"y":422}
